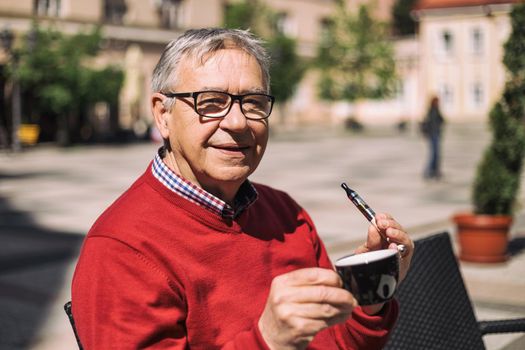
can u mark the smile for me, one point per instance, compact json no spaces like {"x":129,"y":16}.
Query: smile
{"x":231,"y":148}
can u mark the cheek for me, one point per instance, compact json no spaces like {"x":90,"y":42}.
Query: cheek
{"x":191,"y":134}
{"x":261,"y":135}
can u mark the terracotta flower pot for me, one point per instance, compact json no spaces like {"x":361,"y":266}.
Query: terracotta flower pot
{"x":483,"y":238}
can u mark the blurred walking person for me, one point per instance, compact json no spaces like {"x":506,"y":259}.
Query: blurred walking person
{"x":432,"y":127}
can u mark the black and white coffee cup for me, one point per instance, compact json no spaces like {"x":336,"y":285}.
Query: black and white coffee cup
{"x":371,"y":277}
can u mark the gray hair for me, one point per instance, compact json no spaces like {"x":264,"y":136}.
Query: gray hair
{"x":198,"y":43}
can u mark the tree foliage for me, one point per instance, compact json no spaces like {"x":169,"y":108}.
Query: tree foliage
{"x":497,"y":181}
{"x":355,"y":57}
{"x":286,"y":69}
{"x":403,"y":22}
{"x":56,"y":78}
{"x":242,"y":14}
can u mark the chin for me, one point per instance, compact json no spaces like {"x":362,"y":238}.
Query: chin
{"x":232,"y":174}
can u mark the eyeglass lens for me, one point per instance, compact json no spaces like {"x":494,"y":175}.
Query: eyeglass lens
{"x":216,"y":104}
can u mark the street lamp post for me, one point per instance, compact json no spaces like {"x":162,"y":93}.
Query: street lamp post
{"x":7,"y":37}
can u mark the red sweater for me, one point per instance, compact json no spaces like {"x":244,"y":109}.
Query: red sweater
{"x":157,"y":271}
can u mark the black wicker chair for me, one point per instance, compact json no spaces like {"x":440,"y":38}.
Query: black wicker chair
{"x":435,"y":310}
{"x":67,"y":308}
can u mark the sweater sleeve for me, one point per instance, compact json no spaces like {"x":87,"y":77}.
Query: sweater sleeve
{"x":361,"y":331}
{"x":364,"y":331}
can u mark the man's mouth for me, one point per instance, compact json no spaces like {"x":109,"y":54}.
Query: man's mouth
{"x":231,"y":147}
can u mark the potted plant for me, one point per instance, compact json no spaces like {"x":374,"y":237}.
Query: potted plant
{"x":483,"y":235}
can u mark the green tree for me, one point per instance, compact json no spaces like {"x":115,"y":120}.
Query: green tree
{"x":286,"y":69}
{"x":242,"y":14}
{"x":403,"y":22}
{"x":355,"y":57}
{"x":56,"y":77}
{"x":498,"y":176}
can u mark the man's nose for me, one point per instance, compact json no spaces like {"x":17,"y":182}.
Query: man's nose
{"x":235,"y":119}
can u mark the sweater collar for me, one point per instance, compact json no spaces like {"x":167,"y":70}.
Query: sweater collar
{"x":246,"y":195}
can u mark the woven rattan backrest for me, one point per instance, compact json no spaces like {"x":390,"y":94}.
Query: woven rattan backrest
{"x":435,"y":310}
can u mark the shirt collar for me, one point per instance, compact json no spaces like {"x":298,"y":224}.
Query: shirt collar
{"x":246,"y":195}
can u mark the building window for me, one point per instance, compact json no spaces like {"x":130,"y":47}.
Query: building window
{"x":114,"y":11}
{"x":280,"y":22}
{"x":170,"y":13}
{"x":446,"y":96}
{"x":400,"y":89}
{"x":477,"y":41}
{"x":284,"y":25}
{"x":325,"y":26}
{"x":477,"y":94}
{"x":447,"y":42}
{"x":49,"y":8}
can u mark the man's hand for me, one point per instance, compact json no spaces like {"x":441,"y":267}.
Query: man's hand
{"x":300,"y":304}
{"x":396,"y":236}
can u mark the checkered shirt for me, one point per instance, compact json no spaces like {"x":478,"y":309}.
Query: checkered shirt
{"x":243,"y":199}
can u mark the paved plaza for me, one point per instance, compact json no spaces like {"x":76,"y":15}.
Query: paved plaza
{"x":49,"y":197}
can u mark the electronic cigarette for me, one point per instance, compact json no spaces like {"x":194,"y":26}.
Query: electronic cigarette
{"x":368,"y":212}
{"x":360,"y":204}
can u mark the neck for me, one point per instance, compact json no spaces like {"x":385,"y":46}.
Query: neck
{"x":225,"y":191}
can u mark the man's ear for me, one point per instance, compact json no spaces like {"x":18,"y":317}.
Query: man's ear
{"x":160,"y":114}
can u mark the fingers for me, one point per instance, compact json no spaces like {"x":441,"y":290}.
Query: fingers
{"x":300,"y":304}
{"x":387,"y":223}
{"x":320,"y":311}
{"x":377,"y":232}
{"x":387,"y":226}
{"x":374,"y":240}
{"x":311,"y":277}
{"x":335,"y":296}
{"x":363,"y":248}
{"x":385,"y":229}
{"x":311,"y":285}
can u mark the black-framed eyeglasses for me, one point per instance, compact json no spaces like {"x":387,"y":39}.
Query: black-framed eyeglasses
{"x":217,"y":104}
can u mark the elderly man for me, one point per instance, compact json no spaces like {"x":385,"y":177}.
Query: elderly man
{"x":195,"y":256}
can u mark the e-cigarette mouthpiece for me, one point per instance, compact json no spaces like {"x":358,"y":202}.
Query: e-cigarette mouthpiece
{"x":363,"y":207}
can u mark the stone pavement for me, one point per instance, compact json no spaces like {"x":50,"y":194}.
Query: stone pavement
{"x":49,"y":197}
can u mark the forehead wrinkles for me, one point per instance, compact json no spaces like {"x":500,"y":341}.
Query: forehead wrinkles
{"x":218,"y":58}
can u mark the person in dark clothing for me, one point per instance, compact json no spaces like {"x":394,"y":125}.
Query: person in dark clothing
{"x":432,"y":129}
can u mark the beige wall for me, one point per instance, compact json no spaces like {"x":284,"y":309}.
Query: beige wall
{"x":70,"y":9}
{"x":16,"y":7}
{"x":141,"y":13}
{"x":455,"y":75}
{"x":84,"y":11}
{"x":304,"y":19}
{"x":203,"y":13}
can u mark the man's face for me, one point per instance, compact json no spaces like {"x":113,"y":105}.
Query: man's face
{"x":217,"y":152}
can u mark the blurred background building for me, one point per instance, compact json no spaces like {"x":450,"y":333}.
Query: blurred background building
{"x":461,"y":53}
{"x":454,"y":52}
